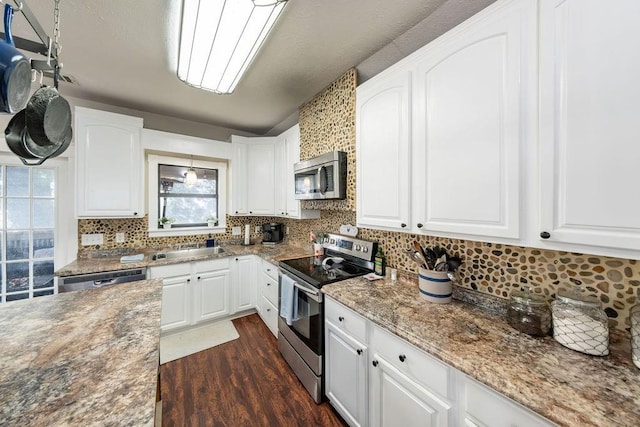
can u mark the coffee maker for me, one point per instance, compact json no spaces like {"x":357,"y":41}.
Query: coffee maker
{"x":272,"y":233}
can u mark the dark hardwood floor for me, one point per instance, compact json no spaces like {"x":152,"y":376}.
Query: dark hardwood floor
{"x":244,"y":382}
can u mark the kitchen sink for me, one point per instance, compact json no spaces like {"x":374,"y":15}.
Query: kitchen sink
{"x":187,"y":253}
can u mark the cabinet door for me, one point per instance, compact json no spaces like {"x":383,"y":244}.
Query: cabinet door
{"x":211,"y":296}
{"x":269,"y":314}
{"x":109,"y":164}
{"x":589,"y":122}
{"x":176,"y":298}
{"x":346,"y":375}
{"x":261,"y":178}
{"x":383,"y":136}
{"x":475,"y":113}
{"x":244,"y":283}
{"x":280,"y":190}
{"x":397,"y":400}
{"x":239,"y":199}
{"x":292,"y":156}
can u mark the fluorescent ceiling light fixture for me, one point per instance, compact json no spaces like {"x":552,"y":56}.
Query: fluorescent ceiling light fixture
{"x":220,"y":38}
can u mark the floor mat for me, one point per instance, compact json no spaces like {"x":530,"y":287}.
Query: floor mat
{"x":181,"y":344}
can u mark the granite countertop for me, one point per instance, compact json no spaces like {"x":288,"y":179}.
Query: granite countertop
{"x":565,"y":386}
{"x":94,"y":265}
{"x":81,"y":358}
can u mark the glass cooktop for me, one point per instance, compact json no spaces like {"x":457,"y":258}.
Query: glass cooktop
{"x":310,"y":270}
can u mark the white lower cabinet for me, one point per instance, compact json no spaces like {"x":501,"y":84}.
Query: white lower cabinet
{"x":398,"y":400}
{"x":211,"y":297}
{"x":193,"y":292}
{"x":243,"y":280}
{"x":484,"y":407}
{"x":268,"y":295}
{"x":401,"y":385}
{"x":346,"y":375}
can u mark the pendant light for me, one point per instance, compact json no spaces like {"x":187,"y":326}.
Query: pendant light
{"x":191,"y":178}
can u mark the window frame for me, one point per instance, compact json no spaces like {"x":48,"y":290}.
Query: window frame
{"x":153,"y":161}
{"x":65,"y":233}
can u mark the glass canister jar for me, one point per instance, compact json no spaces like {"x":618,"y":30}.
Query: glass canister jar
{"x":529,"y":313}
{"x":634,"y":318}
{"x":580,"y":323}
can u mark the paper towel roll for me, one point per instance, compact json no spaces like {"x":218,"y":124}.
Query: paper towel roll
{"x":247,"y":232}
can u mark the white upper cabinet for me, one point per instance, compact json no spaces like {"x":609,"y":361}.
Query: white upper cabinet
{"x":239,"y":197}
{"x":383,"y":146}
{"x":590,"y":131}
{"x":261,"y":177}
{"x":440,"y":135}
{"x":109,"y":165}
{"x":474,"y":112}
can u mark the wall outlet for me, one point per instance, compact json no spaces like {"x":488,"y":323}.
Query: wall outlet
{"x":236,"y":231}
{"x":119,"y":237}
{"x":257,"y":229}
{"x":92,"y":239}
{"x":287,"y":230}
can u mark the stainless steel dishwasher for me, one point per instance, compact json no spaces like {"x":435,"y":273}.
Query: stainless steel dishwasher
{"x":98,"y":280}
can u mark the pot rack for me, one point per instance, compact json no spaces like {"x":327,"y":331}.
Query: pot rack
{"x":44,"y":47}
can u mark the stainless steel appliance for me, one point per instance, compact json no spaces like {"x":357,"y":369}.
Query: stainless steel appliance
{"x":322,"y":177}
{"x":98,"y":280}
{"x":301,"y":342}
{"x":272,"y":233}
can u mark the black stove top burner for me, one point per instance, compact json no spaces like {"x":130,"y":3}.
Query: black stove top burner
{"x":310,"y":269}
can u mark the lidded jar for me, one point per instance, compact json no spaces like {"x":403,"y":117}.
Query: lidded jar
{"x":580,"y":323}
{"x":529,"y":313}
{"x":634,"y":318}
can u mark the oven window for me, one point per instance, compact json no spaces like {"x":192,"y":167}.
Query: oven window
{"x":307,"y":322}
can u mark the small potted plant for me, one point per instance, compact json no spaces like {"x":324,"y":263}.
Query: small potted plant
{"x":212,"y":221}
{"x":165,"y":222}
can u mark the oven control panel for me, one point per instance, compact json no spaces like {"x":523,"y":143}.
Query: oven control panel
{"x":362,"y":249}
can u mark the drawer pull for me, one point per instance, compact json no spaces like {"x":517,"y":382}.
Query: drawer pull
{"x":340,"y":318}
{"x":359,"y":351}
{"x":374,"y":363}
{"x":402,"y":357}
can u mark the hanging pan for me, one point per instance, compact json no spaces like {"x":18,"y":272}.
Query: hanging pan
{"x":21,"y":144}
{"x":15,"y":71}
{"x":48,"y":115}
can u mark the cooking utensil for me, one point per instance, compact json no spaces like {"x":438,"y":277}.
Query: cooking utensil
{"x":15,"y":71}
{"x":427,"y":262}
{"x":454,"y":262}
{"x":430,"y":256}
{"x":48,"y":117}
{"x":441,"y":264}
{"x":25,"y":148}
{"x":417,"y":257}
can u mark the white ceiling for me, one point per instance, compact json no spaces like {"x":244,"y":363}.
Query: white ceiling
{"x":124,"y":53}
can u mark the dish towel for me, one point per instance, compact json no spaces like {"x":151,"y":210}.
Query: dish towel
{"x":288,"y":297}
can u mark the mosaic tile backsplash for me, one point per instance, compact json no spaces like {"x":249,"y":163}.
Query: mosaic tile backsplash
{"x":327,"y":123}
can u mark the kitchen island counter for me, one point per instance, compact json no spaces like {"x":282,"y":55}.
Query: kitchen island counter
{"x":81,"y":358}
{"x":567,"y":387}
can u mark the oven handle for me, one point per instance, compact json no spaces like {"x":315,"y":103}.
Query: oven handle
{"x":311,"y":293}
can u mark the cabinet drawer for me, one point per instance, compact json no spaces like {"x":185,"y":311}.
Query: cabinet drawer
{"x":269,"y":314}
{"x":171,"y":270}
{"x":212,"y":264}
{"x":345,"y":319}
{"x":270,"y":270}
{"x":269,"y":289}
{"x":412,"y":361}
{"x":487,"y":408}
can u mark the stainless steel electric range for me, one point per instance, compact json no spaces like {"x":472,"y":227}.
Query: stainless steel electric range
{"x":301,"y":320}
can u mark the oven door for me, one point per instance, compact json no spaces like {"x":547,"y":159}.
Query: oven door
{"x":308,"y":320}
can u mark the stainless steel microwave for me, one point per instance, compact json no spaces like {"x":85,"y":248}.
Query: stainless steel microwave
{"x":322,"y":177}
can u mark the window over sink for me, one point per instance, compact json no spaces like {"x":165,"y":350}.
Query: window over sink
{"x":186,"y":207}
